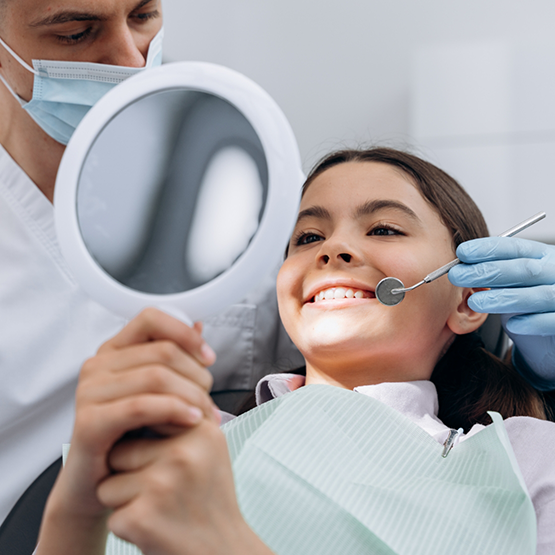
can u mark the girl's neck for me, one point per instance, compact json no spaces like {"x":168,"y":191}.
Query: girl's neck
{"x":351,"y":376}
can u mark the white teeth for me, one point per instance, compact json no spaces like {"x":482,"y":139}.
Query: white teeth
{"x":338,"y":293}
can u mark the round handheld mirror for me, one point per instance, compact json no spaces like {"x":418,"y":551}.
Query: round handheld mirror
{"x":178,"y":190}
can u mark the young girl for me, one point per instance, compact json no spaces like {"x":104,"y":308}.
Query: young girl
{"x":365,"y":454}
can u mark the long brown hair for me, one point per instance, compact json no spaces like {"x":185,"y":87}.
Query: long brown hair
{"x":470,"y":381}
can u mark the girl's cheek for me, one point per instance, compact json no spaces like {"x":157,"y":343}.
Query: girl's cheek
{"x":401,"y":263}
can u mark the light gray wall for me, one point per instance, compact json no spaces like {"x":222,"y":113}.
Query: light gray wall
{"x":341,"y":71}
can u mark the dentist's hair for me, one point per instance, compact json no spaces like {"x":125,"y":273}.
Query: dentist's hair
{"x":470,"y":380}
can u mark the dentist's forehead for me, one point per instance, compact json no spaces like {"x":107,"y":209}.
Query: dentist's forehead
{"x":41,"y":13}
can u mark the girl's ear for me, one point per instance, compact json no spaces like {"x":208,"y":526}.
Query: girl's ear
{"x":463,"y":319}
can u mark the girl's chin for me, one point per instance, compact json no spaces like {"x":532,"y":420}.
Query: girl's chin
{"x":336,"y":345}
{"x":334,"y":333}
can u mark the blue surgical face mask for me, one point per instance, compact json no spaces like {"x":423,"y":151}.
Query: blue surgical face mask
{"x":63,"y":92}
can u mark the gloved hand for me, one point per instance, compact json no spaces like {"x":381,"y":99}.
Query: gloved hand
{"x":521,"y":275}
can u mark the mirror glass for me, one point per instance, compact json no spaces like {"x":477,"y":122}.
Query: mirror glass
{"x":168,"y":210}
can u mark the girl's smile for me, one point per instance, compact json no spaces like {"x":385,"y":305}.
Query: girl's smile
{"x":345,"y":290}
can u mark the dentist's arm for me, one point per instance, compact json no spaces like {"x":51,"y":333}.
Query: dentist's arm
{"x":521,"y":278}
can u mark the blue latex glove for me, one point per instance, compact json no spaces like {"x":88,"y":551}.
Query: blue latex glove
{"x":521,"y":275}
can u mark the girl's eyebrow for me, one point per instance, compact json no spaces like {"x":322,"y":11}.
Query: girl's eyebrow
{"x":314,"y":212}
{"x":363,"y":210}
{"x":376,"y":205}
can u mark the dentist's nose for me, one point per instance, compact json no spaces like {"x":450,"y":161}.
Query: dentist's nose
{"x":124,"y":48}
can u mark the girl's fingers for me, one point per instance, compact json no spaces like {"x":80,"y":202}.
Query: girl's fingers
{"x":100,"y":426}
{"x":146,"y":379}
{"x":132,"y":455}
{"x":154,"y":325}
{"x":119,"y":490}
{"x":154,"y":353}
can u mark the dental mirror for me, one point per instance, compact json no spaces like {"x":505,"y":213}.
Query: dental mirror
{"x":178,"y":190}
{"x":391,"y":291}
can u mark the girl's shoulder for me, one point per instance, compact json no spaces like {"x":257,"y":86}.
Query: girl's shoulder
{"x":533,"y":443}
{"x":529,"y":431}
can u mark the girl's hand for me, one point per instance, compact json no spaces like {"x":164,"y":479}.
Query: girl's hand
{"x":153,"y":373}
{"x":176,"y":496}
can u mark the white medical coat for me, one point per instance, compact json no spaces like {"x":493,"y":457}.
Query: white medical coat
{"x":49,"y":327}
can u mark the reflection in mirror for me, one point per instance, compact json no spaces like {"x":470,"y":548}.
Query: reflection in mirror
{"x":230,"y":192}
{"x":172,"y":191}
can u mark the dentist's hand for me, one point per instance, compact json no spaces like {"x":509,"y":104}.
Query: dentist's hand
{"x":521,"y":278}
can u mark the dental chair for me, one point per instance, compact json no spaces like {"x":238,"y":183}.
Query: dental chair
{"x":19,"y":532}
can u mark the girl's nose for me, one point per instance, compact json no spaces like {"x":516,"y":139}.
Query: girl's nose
{"x":339,"y":250}
{"x":343,"y":255}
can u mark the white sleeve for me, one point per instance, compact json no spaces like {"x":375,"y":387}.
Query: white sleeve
{"x":532,"y":441}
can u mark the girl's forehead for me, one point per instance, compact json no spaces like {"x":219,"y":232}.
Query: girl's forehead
{"x":350,"y":182}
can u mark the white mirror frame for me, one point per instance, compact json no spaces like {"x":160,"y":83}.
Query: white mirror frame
{"x":285,"y":178}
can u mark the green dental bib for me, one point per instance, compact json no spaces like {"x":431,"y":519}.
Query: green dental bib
{"x":326,"y":471}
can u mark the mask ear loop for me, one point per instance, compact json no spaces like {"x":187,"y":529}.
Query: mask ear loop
{"x":22,"y":102}
{"x":19,"y":58}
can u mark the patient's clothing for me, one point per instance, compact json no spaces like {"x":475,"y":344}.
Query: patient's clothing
{"x":325,"y":471}
{"x":49,"y":327}
{"x":532,"y":440}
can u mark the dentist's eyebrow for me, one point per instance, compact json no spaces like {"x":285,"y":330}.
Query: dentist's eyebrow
{"x":314,"y":212}
{"x":68,"y":16}
{"x":377,"y":205}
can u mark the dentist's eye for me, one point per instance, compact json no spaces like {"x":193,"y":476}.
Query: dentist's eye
{"x":306,"y":238}
{"x":75,"y":38}
{"x":384,"y":230}
{"x":142,"y":17}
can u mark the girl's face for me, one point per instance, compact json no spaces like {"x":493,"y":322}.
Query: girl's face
{"x":358,"y":223}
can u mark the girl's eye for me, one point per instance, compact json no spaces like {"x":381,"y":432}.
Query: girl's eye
{"x":384,"y":230}
{"x":306,"y":238}
{"x":75,"y":38}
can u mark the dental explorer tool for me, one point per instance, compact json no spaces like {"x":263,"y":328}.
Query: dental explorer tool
{"x":391,"y":291}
